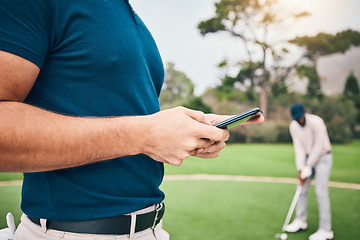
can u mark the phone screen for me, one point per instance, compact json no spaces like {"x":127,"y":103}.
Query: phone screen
{"x":238,"y":119}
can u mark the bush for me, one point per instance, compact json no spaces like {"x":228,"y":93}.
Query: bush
{"x":196,"y":103}
{"x":338,"y":114}
{"x":268,"y":132}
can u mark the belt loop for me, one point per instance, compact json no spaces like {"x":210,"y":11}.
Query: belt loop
{"x":156,"y":214}
{"x":43,"y":224}
{"x":132,"y":225}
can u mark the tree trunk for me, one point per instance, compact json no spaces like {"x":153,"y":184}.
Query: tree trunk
{"x":263,"y":99}
{"x":264,"y":91}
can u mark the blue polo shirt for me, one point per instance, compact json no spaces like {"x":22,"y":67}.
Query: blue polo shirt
{"x":97,"y":58}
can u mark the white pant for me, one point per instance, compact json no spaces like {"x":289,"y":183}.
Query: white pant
{"x":322,"y":173}
{"x":28,"y":230}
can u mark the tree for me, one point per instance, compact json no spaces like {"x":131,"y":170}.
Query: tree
{"x":351,"y":88}
{"x":352,"y":93}
{"x":314,"y":87}
{"x":321,"y":45}
{"x":325,"y":44}
{"x":197,"y":103}
{"x":252,"y":21}
{"x":177,"y":87}
{"x":247,"y":77}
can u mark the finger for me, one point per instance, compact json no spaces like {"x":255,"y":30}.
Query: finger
{"x":214,"y":118}
{"x":204,"y":144}
{"x":217,"y":146}
{"x":207,"y":155}
{"x":212,"y":133}
{"x":257,"y":118}
{"x":176,"y":162}
{"x":197,"y":115}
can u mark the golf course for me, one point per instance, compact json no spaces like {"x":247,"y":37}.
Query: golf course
{"x":244,"y":194}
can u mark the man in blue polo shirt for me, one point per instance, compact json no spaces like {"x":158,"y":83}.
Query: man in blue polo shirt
{"x":79,"y":87}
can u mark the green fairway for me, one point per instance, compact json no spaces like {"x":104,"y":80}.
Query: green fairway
{"x":237,"y":210}
{"x":276,"y":160}
{"x":218,"y":210}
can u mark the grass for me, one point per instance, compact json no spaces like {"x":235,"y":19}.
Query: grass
{"x":218,"y":210}
{"x":243,"y":159}
{"x":238,"y":210}
{"x":9,"y":202}
{"x":275,"y":160}
{"x":10,"y":176}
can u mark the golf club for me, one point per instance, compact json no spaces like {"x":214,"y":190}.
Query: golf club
{"x":283,"y":235}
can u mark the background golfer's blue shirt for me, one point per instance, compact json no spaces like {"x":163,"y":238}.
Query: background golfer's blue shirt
{"x":97,"y":58}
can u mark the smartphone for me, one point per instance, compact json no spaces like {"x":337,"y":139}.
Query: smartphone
{"x":238,"y":119}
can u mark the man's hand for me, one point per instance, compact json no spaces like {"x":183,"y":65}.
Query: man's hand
{"x":214,"y":118}
{"x":304,"y":174}
{"x":214,"y":150}
{"x":301,"y":180}
{"x":175,"y":134}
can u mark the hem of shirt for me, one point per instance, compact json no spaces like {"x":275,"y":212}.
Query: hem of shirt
{"x":21,"y":52}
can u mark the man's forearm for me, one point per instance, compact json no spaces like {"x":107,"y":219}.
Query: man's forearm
{"x":33,"y":139}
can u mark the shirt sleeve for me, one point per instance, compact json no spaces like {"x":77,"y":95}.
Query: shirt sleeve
{"x":26,"y":27}
{"x":300,"y":153}
{"x":319,"y":135}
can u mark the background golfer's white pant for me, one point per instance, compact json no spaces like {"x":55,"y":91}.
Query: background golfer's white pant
{"x":28,"y":230}
{"x":322,"y":174}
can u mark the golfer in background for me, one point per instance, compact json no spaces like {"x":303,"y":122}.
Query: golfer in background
{"x":313,"y":157}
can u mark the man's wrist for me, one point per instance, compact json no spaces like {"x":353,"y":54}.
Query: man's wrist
{"x":139,"y":131}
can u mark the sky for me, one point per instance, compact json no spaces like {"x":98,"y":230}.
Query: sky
{"x":173,"y":24}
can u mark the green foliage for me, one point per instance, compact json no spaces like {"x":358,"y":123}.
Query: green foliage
{"x":325,"y":44}
{"x":279,"y":88}
{"x":227,"y":103}
{"x":247,"y":72}
{"x":314,"y":87}
{"x":227,"y":93}
{"x":243,"y":84}
{"x":177,"y":88}
{"x":352,"y":93}
{"x":210,"y":26}
{"x":268,"y":132}
{"x":351,"y":88}
{"x":356,"y":101}
{"x":339,"y":116}
{"x":197,"y":103}
{"x":227,"y":85}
